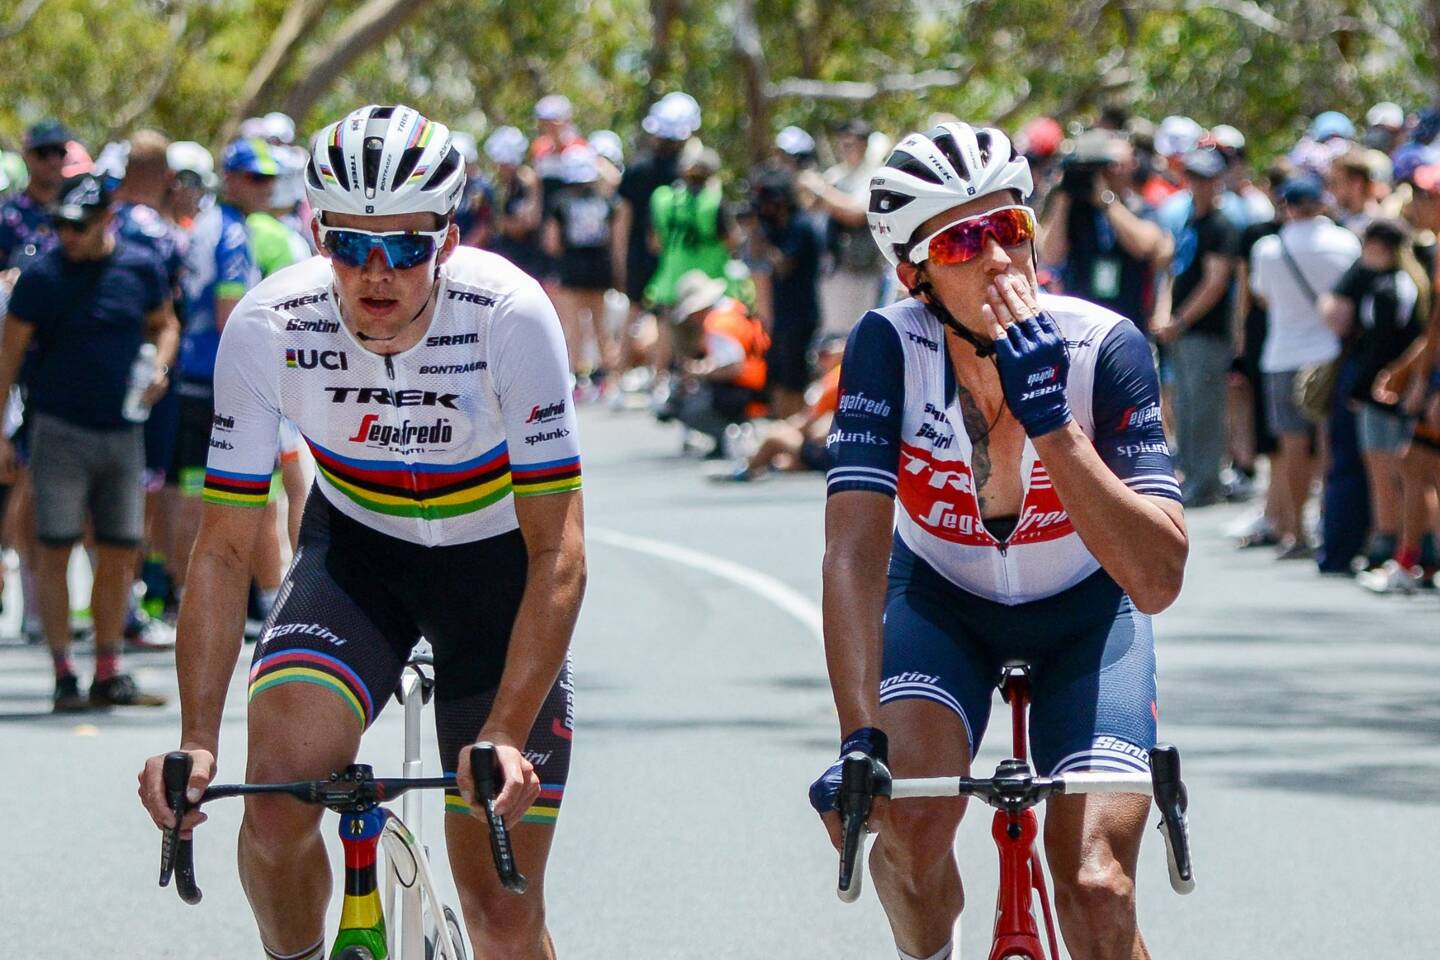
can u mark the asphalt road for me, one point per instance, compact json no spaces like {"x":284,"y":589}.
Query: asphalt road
{"x":1308,"y":715}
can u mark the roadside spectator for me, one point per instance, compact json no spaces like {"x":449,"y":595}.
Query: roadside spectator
{"x":798,"y":443}
{"x":1100,"y":232}
{"x":1175,"y":138}
{"x":556,"y":134}
{"x":1384,"y":126}
{"x":1287,"y":271}
{"x":1351,"y":182}
{"x":789,"y":245}
{"x":25,"y":229}
{"x":1254,"y":205}
{"x":690,"y":228}
{"x":88,"y":306}
{"x":1197,"y":332}
{"x":195,"y":181}
{"x":517,"y":201}
{"x":723,"y":371}
{"x":842,"y":194}
{"x":475,"y":217}
{"x":794,"y":150}
{"x":577,"y":236}
{"x":1376,"y":310}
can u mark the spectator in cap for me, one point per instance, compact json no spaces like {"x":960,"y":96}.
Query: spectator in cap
{"x":1174,"y":138}
{"x":25,"y":230}
{"x":87,"y":307}
{"x":1330,"y":125}
{"x":1197,"y":331}
{"x":577,"y":235}
{"x":841,"y":196}
{"x":517,"y":201}
{"x":476,"y":214}
{"x":1384,"y":125}
{"x":610,"y":148}
{"x":1099,"y":233}
{"x":723,"y":368}
{"x":1250,"y":204}
{"x":556,"y":134}
{"x":1039,"y":141}
{"x":1352,"y":183}
{"x":1288,"y":272}
{"x":672,"y":120}
{"x":195,"y":179}
{"x":794,"y":149}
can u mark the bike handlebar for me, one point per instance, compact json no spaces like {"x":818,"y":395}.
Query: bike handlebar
{"x":353,"y":791}
{"x":1013,"y":789}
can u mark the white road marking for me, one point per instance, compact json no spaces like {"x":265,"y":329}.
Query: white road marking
{"x":796,"y":604}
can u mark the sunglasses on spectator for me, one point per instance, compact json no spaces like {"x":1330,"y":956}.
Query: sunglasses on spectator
{"x":964,"y":239}
{"x":49,"y":152}
{"x":403,"y":249}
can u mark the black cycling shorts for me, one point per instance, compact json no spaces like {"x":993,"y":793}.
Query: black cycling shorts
{"x":355,"y":602}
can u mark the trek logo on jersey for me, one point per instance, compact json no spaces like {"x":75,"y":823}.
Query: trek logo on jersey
{"x":449,"y":368}
{"x":545,"y":414}
{"x":544,"y":435}
{"x":311,"y":326}
{"x":863,"y":405}
{"x":864,"y":437}
{"x":1136,"y":417}
{"x":304,"y":301}
{"x":393,"y":398}
{"x":374,"y":433}
{"x":465,"y":296}
{"x":1133,"y":450}
{"x":310,"y":359}
{"x":925,"y":342}
{"x":304,"y":629}
{"x":937,"y":478}
{"x":221,"y":422}
{"x":452,"y":340}
{"x":938,"y":440}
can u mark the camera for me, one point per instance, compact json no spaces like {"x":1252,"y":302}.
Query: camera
{"x":1090,"y":154}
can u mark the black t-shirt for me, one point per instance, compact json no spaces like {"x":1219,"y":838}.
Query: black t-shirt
{"x":524,"y":253}
{"x":1099,"y":269}
{"x":796,"y":298}
{"x":1203,"y":236}
{"x":585,"y":218}
{"x":643,"y":177}
{"x":1255,"y":317}
{"x":1385,"y":321}
{"x":89,"y":321}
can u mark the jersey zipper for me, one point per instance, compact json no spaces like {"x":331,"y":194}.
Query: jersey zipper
{"x":389,"y":367}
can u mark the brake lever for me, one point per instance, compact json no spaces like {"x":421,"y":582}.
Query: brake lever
{"x":482,"y":768}
{"x":177,"y":855}
{"x":857,"y":789}
{"x":1173,"y":801}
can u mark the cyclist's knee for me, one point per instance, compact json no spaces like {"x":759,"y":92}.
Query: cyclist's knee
{"x":917,"y":836}
{"x":1097,"y":900}
{"x":274,"y":826}
{"x":504,"y":920}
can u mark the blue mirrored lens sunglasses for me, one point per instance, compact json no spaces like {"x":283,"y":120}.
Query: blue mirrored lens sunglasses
{"x":402,"y":249}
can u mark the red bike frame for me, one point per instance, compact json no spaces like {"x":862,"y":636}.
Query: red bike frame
{"x":1022,"y":875}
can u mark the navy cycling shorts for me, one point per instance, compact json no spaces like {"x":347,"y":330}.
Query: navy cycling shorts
{"x":1092,"y":658}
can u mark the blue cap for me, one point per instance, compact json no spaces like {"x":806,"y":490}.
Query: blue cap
{"x":1332,"y":123}
{"x":1207,"y":163}
{"x":250,"y":155}
{"x":1305,"y":188}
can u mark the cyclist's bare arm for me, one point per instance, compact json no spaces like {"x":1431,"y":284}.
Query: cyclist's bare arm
{"x":208,"y":637}
{"x":554,"y":530}
{"x":858,"y":527}
{"x":1140,"y":540}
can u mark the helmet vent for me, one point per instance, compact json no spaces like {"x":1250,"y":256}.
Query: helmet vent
{"x":443,"y":170}
{"x":406,"y":166}
{"x":945,"y":143}
{"x":337,"y":164}
{"x":888,"y":201}
{"x":909,"y":163}
{"x":370,"y":163}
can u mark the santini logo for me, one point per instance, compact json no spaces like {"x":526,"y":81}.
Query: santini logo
{"x":311,"y":326}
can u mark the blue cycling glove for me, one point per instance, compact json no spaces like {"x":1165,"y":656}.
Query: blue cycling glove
{"x":1034,"y":367}
{"x":825,"y":792}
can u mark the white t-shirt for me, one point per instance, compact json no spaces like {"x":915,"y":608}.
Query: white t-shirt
{"x":1323,"y":251}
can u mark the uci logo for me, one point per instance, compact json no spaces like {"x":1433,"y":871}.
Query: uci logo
{"x":310,"y":359}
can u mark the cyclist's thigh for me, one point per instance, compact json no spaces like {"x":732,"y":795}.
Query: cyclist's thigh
{"x":330,"y":655}
{"x":1094,"y":693}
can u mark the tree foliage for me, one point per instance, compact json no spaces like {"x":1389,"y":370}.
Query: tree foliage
{"x":186,"y":65}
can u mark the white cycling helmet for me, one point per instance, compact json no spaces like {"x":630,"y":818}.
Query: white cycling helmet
{"x":928,"y":173}
{"x":384,"y":160}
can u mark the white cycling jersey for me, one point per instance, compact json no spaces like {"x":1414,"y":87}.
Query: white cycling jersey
{"x":899,"y":431}
{"x":429,"y":445}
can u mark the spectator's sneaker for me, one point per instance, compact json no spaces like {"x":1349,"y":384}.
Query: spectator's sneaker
{"x":1254,"y":532}
{"x":1391,"y":578}
{"x":156,"y":635}
{"x":67,"y":695}
{"x":120,"y":691}
{"x":1294,"y":550}
{"x":1237,"y":486}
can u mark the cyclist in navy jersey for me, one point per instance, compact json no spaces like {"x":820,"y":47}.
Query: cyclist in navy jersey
{"x":1039,"y":520}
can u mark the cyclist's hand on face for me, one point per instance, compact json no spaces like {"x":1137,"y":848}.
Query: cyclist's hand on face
{"x":152,"y":790}
{"x":516,"y":777}
{"x":825,"y":792}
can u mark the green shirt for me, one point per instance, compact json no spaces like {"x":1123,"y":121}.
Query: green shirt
{"x":688,"y":227}
{"x":272,"y":244}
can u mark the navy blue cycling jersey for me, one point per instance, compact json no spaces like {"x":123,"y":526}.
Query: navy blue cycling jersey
{"x":898,"y":431}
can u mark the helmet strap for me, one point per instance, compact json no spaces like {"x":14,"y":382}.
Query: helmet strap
{"x":943,"y":314}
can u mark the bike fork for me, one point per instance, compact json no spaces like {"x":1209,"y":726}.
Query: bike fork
{"x":362,"y":923}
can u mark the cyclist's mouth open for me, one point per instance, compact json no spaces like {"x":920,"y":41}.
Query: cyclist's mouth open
{"x":378,"y":306}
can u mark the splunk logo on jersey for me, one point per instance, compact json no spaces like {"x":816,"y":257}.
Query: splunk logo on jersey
{"x":1136,"y":417}
{"x":551,"y":411}
{"x":311,"y":326}
{"x":393,"y":398}
{"x":863,"y":405}
{"x":452,"y":340}
{"x":863,"y":437}
{"x":304,"y":301}
{"x":449,"y":368}
{"x":938,"y":440}
{"x":310,"y":359}
{"x":304,"y":629}
{"x":925,"y":342}
{"x":1133,"y":450}
{"x":544,"y":435}
{"x":465,"y":296}
{"x":374,"y":433}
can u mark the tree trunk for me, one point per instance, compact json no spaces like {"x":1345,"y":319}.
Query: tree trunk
{"x":22,"y":19}
{"x":362,"y":30}
{"x":264,"y":76}
{"x":756,"y":78}
{"x":662,"y":19}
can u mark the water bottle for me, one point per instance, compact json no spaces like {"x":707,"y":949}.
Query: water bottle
{"x":142,"y":372}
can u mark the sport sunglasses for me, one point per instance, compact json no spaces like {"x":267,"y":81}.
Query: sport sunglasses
{"x":964,"y":239}
{"x":403,"y":249}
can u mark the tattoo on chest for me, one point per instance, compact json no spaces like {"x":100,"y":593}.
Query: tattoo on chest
{"x":979,"y":431}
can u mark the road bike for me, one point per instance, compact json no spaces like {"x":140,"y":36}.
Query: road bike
{"x":427,"y":928}
{"x":1015,"y":791}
